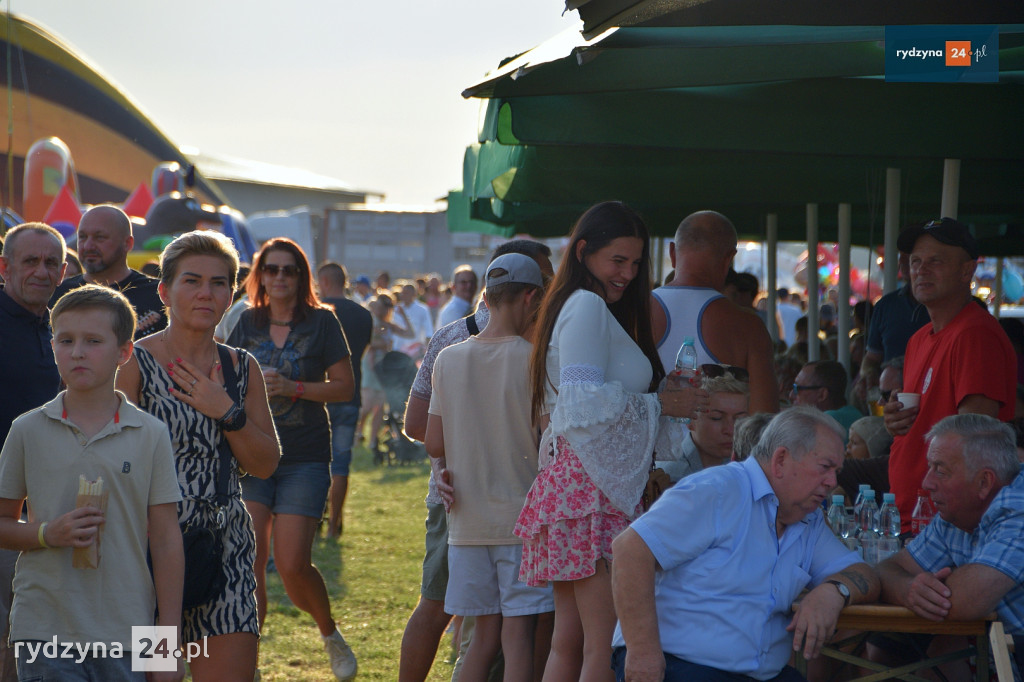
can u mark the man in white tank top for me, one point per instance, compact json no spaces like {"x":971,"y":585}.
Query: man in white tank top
{"x":691,"y":305}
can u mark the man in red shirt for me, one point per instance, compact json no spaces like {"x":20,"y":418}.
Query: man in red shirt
{"x":962,"y":362}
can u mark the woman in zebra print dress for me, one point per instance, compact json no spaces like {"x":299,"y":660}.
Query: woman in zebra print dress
{"x":176,"y":376}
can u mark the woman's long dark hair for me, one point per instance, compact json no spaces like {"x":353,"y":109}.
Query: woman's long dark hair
{"x":598,"y":227}
{"x":307,"y":300}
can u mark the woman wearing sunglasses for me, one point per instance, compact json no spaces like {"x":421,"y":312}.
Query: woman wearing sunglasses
{"x":305,"y":361}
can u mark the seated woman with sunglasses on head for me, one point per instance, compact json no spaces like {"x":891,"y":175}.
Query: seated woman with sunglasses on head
{"x":710,"y":438}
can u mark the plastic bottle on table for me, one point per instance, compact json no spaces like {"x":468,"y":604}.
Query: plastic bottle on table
{"x":686,"y":365}
{"x":889,"y":525}
{"x":923,"y":512}
{"x":889,"y":516}
{"x":868,"y":524}
{"x":837,"y":516}
{"x":858,"y":503}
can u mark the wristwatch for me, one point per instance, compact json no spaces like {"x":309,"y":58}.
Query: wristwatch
{"x":843,"y":590}
{"x":233,"y":420}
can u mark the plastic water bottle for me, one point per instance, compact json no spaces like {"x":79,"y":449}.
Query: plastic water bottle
{"x":858,"y":504}
{"x":686,"y":365}
{"x":837,"y":516}
{"x":889,"y":524}
{"x":923,"y":512}
{"x":868,"y":524}
{"x":889,"y":516}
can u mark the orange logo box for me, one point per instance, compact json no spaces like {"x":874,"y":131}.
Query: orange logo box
{"x":958,"y":53}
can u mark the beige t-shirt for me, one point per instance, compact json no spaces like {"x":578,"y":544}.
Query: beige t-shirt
{"x":481,"y":390}
{"x":42,"y":460}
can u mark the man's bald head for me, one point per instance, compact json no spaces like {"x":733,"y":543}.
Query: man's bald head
{"x":707,"y":231}
{"x":111,"y":217}
{"x":104,"y":240}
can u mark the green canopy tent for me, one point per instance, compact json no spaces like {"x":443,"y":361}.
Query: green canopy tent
{"x":600,"y":15}
{"x":668,"y":142}
{"x":755,"y":121}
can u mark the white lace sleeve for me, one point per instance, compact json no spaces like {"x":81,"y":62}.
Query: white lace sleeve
{"x":671,"y":435}
{"x":612,"y":432}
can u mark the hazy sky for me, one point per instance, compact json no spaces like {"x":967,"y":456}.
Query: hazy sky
{"x":366,"y":92}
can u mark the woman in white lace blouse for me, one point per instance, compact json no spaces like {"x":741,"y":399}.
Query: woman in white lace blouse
{"x":594,"y":368}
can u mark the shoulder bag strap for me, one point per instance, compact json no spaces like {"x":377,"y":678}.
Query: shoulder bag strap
{"x":227,"y":367}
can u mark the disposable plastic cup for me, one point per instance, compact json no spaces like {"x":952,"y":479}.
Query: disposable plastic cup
{"x":909,"y":399}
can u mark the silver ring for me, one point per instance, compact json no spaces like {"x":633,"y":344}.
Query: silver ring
{"x":194,"y":382}
{"x":189,"y":394}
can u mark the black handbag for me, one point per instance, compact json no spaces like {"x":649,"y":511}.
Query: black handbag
{"x":205,"y":578}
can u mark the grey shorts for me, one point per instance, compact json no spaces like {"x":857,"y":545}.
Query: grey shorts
{"x":484,"y":580}
{"x":435,"y":561}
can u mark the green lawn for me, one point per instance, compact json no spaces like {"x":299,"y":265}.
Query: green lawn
{"x":372,"y":575}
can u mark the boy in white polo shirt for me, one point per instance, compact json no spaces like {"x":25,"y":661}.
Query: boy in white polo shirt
{"x":480,"y":423}
{"x":90,"y":432}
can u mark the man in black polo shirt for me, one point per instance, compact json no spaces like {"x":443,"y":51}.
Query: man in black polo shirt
{"x":104,"y":240}
{"x":32,"y":265}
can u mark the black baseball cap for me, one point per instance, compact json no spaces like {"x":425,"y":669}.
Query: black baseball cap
{"x":945,"y":230}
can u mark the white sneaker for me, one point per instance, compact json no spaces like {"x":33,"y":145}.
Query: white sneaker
{"x":343,"y":661}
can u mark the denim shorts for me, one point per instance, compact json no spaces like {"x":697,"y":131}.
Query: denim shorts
{"x":299,"y":488}
{"x":343,"y":433}
{"x":44,"y":669}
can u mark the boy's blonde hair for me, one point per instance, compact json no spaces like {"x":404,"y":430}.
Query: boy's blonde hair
{"x":95,"y":297}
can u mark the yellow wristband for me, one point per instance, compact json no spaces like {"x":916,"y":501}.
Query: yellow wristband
{"x":41,"y":535}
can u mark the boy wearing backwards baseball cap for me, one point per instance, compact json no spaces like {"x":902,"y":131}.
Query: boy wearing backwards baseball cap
{"x":480,"y":427}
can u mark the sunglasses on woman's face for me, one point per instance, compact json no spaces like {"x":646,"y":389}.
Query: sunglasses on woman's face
{"x":715,"y":371}
{"x":288,"y":270}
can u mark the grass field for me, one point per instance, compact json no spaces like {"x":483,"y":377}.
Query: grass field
{"x":372,"y":576}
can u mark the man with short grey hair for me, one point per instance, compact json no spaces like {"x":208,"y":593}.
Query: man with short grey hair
{"x":32,"y":265}
{"x":969,"y":561}
{"x":696,"y":599}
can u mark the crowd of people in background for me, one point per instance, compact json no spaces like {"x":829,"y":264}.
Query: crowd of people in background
{"x":596,"y":510}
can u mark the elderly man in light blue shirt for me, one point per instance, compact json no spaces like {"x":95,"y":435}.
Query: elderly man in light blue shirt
{"x":705,"y":581}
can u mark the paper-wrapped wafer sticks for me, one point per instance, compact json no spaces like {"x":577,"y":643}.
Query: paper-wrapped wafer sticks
{"x":90,"y":487}
{"x":90,"y":494}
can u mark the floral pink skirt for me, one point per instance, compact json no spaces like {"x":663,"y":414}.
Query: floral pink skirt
{"x":567,"y":523}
